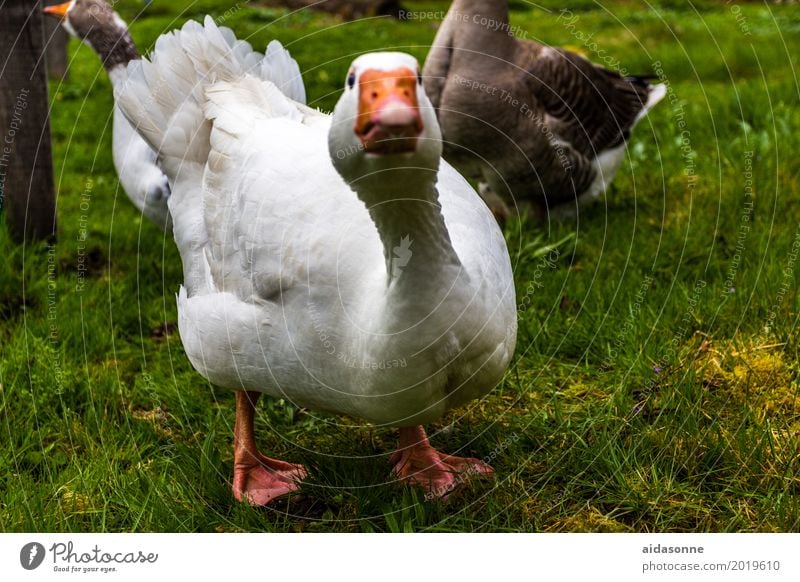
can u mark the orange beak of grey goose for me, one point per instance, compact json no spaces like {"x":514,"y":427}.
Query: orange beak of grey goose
{"x":58,"y":10}
{"x":388,"y":120}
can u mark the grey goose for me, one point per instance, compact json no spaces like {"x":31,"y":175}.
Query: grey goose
{"x":542,"y":128}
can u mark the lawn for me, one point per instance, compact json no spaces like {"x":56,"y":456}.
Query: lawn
{"x":655,"y":384}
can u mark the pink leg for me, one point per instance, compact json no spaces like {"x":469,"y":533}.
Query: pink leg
{"x":417,"y":462}
{"x":257,"y":479}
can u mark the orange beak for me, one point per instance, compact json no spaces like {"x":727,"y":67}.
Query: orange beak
{"x":388,"y":120}
{"x":58,"y":10}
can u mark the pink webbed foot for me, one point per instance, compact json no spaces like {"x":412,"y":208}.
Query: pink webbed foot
{"x":263,"y":482}
{"x":257,"y":479}
{"x":418,"y":463}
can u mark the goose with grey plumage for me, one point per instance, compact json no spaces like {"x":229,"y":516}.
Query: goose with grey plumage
{"x":543,"y":129}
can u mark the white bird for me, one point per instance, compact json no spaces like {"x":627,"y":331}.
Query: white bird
{"x":99,"y":26}
{"x":335,"y":261}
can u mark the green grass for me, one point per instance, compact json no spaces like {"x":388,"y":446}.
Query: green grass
{"x":656,"y":377}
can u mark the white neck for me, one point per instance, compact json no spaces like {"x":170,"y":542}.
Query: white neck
{"x":422,"y":269}
{"x":404,"y":205}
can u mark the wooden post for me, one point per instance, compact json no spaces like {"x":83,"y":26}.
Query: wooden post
{"x":26,"y":166}
{"x":55,"y":42}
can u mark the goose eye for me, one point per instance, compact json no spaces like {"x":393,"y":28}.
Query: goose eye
{"x":351,"y":80}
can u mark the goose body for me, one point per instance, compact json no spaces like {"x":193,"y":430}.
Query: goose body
{"x":345,"y":270}
{"x":295,"y":302}
{"x":540,"y":126}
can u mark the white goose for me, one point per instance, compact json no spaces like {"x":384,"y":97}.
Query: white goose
{"x":332,"y":260}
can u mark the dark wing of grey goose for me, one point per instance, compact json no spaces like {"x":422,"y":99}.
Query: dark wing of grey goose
{"x":594,"y":109}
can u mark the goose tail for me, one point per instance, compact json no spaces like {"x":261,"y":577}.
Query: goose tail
{"x":164,"y":96}
{"x":655,"y":92}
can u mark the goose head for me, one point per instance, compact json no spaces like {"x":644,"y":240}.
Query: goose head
{"x":97,"y":24}
{"x":384,"y":120}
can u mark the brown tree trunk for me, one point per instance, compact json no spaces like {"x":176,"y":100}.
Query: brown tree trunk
{"x":26,"y":165}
